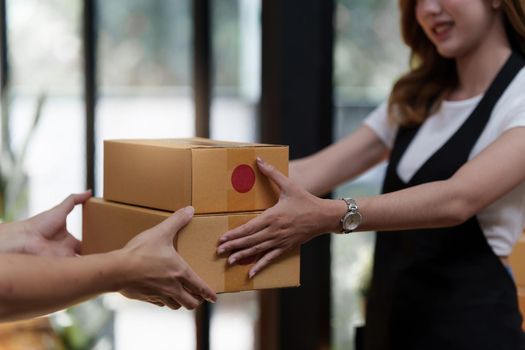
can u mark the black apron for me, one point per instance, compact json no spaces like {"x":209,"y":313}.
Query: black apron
{"x":443,"y":288}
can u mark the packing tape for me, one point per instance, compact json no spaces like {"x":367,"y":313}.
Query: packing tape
{"x":236,"y":276}
{"x":241,"y":195}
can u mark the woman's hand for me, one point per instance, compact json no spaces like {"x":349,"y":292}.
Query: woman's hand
{"x":157,"y":272}
{"x":43,"y":234}
{"x":295,"y":219}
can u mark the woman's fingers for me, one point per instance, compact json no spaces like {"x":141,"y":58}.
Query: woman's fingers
{"x":275,"y":175}
{"x":250,"y":245}
{"x":264,"y":261}
{"x":247,"y":241}
{"x":255,"y":225}
{"x":251,"y":251}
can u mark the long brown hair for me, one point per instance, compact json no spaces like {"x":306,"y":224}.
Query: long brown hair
{"x":419,"y":93}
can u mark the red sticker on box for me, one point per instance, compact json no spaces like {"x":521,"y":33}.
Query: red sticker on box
{"x":243,"y":178}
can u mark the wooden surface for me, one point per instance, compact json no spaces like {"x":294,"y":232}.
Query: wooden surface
{"x":34,"y":334}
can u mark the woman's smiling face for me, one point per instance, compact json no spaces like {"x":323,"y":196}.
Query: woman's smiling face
{"x":457,"y":27}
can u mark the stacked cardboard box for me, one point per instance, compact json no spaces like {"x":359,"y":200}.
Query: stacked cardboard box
{"x":146,"y":180}
{"x":517,"y":263}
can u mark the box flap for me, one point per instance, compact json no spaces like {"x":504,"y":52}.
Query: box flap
{"x":189,"y":143}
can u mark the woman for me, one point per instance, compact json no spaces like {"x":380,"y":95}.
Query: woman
{"x":40,"y":272}
{"x":453,"y":201}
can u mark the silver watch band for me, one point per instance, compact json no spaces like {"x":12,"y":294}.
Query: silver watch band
{"x":352,"y":211}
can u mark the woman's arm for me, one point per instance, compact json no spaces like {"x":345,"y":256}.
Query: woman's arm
{"x":480,"y":182}
{"x":342,"y":161}
{"x":147,"y":268}
{"x":300,"y":216}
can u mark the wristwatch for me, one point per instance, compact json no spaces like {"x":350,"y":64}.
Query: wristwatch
{"x":351,"y":220}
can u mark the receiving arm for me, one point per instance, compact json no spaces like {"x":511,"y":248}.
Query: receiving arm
{"x":342,"y":161}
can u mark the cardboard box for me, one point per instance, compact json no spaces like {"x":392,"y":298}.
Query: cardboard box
{"x":212,"y":176}
{"x":108,"y":226}
{"x":517,"y":261}
{"x":521,"y":305}
{"x":517,"y":264}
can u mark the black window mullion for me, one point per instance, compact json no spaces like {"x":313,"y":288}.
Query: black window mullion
{"x":202,"y":62}
{"x":202,"y":58}
{"x":90,"y":86}
{"x":296,"y":109}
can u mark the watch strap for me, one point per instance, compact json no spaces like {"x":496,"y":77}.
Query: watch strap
{"x":351,"y":208}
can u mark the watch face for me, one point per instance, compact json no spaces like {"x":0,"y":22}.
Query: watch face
{"x":351,"y":221}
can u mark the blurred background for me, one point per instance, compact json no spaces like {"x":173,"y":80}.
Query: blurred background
{"x":303,"y":73}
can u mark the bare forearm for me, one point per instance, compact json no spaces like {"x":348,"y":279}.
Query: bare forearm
{"x":299,"y":216}
{"x":430,"y":205}
{"x":319,"y":176}
{"x":342,"y":161}
{"x":435,"y":204}
{"x":300,"y":172}
{"x":32,"y":285}
{"x":481,"y":181}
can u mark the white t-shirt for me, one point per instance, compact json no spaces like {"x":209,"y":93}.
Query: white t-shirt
{"x":504,"y":220}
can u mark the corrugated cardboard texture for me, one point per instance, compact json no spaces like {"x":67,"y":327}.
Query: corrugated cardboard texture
{"x":171,"y":174}
{"x":108,"y":226}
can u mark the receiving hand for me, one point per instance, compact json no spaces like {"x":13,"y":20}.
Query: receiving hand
{"x":43,"y":234}
{"x":297,"y":217}
{"x":159,"y":274}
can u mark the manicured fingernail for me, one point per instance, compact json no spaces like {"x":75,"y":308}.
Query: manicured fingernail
{"x":189,"y":210}
{"x":251,"y":274}
{"x":232,"y":261}
{"x":223,"y":239}
{"x":210,"y":300}
{"x":260,"y":160}
{"x":221,"y":250}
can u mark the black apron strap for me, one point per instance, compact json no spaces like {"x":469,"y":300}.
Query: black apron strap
{"x":442,"y":288}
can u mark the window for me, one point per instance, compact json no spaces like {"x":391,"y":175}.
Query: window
{"x":54,"y":162}
{"x":144,"y":81}
{"x":368,"y":57}
{"x":236,"y":45}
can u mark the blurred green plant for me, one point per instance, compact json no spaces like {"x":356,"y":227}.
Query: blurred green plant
{"x":88,"y":326}
{"x":13,"y":178}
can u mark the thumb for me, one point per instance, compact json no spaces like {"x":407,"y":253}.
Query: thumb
{"x":175,"y":222}
{"x":275,"y":175}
